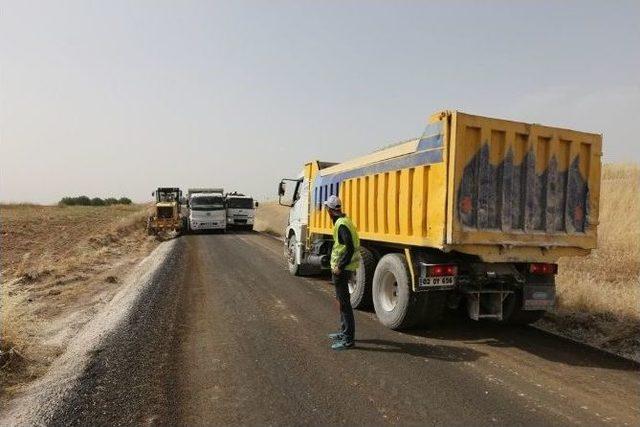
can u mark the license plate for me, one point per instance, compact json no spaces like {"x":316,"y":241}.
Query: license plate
{"x":437,"y":281}
{"x":538,"y":297}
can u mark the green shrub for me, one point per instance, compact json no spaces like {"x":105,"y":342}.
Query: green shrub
{"x":76,"y":201}
{"x":96,"y":201}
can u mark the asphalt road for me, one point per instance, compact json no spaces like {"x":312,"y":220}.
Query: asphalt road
{"x":227,"y":337}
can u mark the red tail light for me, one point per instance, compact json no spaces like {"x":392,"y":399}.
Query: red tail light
{"x":440,"y":270}
{"x":543,"y":268}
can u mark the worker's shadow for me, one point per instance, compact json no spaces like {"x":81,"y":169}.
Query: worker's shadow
{"x":425,"y":351}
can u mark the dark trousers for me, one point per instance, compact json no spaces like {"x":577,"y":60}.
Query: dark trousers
{"x":347,"y":322}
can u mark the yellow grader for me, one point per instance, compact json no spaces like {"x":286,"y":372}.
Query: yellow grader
{"x":167,"y":215}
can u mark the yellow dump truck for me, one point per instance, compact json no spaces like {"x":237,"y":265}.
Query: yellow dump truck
{"x":475,"y":213}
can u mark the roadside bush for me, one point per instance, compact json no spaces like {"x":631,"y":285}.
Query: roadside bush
{"x":96,"y":201}
{"x":83,"y":201}
{"x":75,"y":201}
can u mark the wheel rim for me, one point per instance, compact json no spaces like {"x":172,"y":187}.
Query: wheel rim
{"x":388,"y":291}
{"x":352,"y":282}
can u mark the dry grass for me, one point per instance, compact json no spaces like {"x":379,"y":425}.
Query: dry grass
{"x":59,"y":264}
{"x":599,"y":295}
{"x":271,"y":218}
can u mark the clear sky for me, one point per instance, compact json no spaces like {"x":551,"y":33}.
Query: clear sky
{"x":119,"y":97}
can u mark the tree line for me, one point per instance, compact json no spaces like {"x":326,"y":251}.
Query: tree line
{"x":95,"y":201}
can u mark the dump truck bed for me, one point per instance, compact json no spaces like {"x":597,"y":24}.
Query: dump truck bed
{"x":498,"y":189}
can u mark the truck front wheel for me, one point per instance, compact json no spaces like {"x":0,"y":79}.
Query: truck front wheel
{"x":291,"y":255}
{"x":150,"y":230}
{"x":362,"y":279}
{"x":395,"y":305}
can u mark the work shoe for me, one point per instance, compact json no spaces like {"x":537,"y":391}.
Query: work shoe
{"x":336,"y":336}
{"x":342,"y":345}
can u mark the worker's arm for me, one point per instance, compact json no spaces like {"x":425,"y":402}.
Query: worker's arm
{"x":344,"y":237}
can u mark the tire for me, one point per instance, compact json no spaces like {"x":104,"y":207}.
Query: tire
{"x":396,"y":306}
{"x":294,"y":268}
{"x":513,"y":314}
{"x":361,"y":281}
{"x":150,"y":231}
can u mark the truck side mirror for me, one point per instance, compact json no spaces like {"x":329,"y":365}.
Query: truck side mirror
{"x":257,"y":204}
{"x":153,"y":194}
{"x":282,"y":192}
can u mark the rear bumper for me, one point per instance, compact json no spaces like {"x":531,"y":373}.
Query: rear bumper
{"x":515,"y":253}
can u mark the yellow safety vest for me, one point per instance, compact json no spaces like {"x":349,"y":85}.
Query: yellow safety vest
{"x":339,"y":248}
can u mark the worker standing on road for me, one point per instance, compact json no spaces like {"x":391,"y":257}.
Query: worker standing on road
{"x":345,"y":258}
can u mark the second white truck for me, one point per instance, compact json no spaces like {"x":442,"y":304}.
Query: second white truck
{"x":241,"y":211}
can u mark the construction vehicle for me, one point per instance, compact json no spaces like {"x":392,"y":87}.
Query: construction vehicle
{"x":206,"y":209}
{"x":241,"y":210}
{"x":471,"y":216}
{"x":166,"y":214}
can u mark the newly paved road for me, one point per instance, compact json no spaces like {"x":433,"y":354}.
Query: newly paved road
{"x":228,"y":337}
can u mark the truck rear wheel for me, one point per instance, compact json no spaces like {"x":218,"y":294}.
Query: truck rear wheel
{"x":361,"y":281}
{"x":395,"y":305}
{"x":513,"y":314}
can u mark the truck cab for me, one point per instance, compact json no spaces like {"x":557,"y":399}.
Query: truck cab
{"x":304,"y":251}
{"x":207,"y":210}
{"x":241,"y":210}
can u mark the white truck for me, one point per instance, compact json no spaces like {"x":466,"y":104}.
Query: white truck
{"x":206,"y":209}
{"x":241,"y":210}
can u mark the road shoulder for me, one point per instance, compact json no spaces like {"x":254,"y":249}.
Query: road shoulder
{"x":39,"y":401}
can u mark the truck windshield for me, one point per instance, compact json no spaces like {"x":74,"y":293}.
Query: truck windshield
{"x":166,"y":197}
{"x":207,"y":203}
{"x":238,"y":203}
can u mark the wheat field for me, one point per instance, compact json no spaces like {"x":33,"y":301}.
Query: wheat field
{"x":58,"y":265}
{"x":599,"y":295}
{"x":608,"y":280}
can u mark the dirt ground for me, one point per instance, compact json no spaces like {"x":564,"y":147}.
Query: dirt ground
{"x":598,"y":295}
{"x":59,"y":265}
